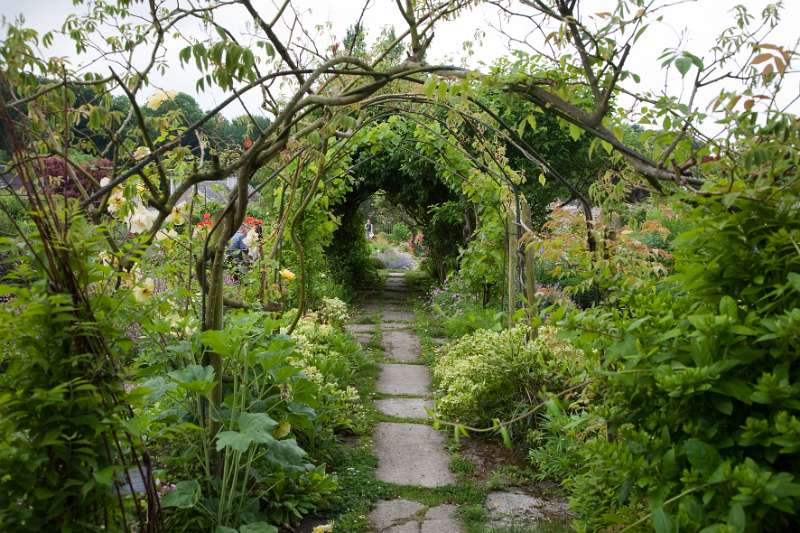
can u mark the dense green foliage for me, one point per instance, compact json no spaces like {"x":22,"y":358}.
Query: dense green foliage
{"x":486,"y":375}
{"x":619,"y":287}
{"x":703,"y":402}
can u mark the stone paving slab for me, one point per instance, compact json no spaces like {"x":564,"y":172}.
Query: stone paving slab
{"x":411,"y":454}
{"x":363,"y":338}
{"x":401,"y":346}
{"x":397,"y":315}
{"x":404,"y":407}
{"x":360,"y":328}
{"x":441,"y":519}
{"x":395,"y":326}
{"x":398,"y":516}
{"x":412,"y":380}
{"x":388,"y":513}
{"x":514,"y":509}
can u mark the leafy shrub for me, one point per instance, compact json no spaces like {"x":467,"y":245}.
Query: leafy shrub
{"x":334,"y":363}
{"x":333,"y":311}
{"x":285,"y":401}
{"x":400,"y":233}
{"x":55,"y":450}
{"x":700,"y":375}
{"x":456,"y":311}
{"x":490,"y":374}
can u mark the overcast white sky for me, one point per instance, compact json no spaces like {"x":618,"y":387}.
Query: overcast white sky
{"x":701,"y":20}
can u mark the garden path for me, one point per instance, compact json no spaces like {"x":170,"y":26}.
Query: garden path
{"x":409,"y":451}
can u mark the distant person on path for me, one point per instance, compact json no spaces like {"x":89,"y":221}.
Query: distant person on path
{"x":368,"y":229}
{"x":237,"y":252}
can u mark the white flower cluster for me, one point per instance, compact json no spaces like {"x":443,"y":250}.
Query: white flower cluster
{"x":142,"y":219}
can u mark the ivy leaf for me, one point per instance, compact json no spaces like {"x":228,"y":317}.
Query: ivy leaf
{"x":542,"y":179}
{"x":105,"y":476}
{"x":185,"y":495}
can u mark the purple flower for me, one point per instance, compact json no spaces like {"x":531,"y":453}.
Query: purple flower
{"x":541,"y":249}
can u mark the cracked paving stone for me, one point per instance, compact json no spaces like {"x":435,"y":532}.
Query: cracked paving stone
{"x":411,"y":454}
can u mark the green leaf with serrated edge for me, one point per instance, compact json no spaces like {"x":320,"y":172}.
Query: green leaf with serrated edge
{"x":286,"y":453}
{"x":194,"y":378}
{"x":218,"y":341}
{"x":235,"y":440}
{"x":257,"y":426}
{"x":185,"y":495}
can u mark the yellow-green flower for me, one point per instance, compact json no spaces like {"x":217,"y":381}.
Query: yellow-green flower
{"x":144,"y":291}
{"x":287,"y":275}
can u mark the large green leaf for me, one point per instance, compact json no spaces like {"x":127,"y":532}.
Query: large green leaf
{"x":286,"y":454}
{"x":233,"y":439}
{"x":218,"y":340}
{"x":194,"y":378}
{"x":185,"y":495}
{"x":154,"y":389}
{"x":257,"y":426}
